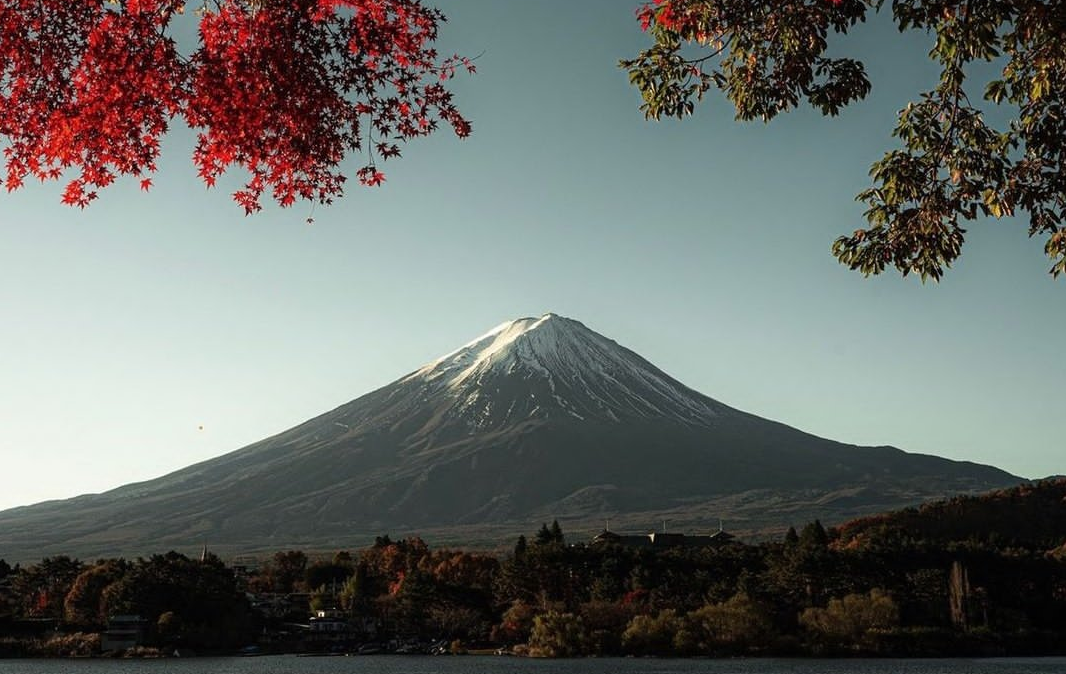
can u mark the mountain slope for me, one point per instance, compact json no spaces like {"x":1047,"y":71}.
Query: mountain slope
{"x":538,"y":418}
{"x":1030,"y":516}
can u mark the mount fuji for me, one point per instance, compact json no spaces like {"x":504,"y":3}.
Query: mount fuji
{"x":539,"y":418}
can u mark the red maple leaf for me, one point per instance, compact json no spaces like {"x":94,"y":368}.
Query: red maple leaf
{"x":284,"y":91}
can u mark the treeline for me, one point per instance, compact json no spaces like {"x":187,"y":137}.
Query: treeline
{"x":802,"y":595}
{"x":813,"y":592}
{"x":186,"y":603}
{"x":1027,"y":516}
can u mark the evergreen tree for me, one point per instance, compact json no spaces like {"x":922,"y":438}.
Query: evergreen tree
{"x":556,"y":532}
{"x":813,"y":537}
{"x":544,"y":536}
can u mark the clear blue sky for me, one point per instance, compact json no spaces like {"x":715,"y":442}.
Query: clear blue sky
{"x":702,"y":245}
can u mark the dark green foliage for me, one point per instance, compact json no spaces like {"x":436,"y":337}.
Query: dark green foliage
{"x":1028,"y":516}
{"x":859,"y":589}
{"x":815,"y":592}
{"x":544,"y":536}
{"x":288,"y":569}
{"x":43,"y":587}
{"x":328,"y":574}
{"x":813,"y":539}
{"x":343,"y":558}
{"x":413,"y":600}
{"x":355,"y":595}
{"x":557,"y":533}
{"x":950,"y":168}
{"x":605,"y":623}
{"x":207,"y":610}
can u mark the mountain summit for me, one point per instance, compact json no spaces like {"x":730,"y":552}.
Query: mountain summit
{"x":537,"y":367}
{"x":539,"y":418}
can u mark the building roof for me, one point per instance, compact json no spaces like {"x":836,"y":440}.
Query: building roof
{"x":662,"y":539}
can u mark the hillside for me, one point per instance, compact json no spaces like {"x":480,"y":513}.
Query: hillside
{"x":1030,"y":516}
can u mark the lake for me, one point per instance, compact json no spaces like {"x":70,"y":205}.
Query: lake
{"x":287,"y":664}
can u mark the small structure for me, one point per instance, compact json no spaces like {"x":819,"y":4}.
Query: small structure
{"x":663,"y":539}
{"x":123,"y":632}
{"x":243,"y":568}
{"x":330,"y":626}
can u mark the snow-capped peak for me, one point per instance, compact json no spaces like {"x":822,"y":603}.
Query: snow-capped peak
{"x":570,"y":367}
{"x":467,"y":358}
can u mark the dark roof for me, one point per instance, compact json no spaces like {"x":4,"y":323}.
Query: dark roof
{"x":662,"y":539}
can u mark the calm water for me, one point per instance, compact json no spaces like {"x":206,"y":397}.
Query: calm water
{"x":506,"y":665}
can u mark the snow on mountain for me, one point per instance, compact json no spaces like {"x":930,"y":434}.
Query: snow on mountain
{"x":538,"y":418}
{"x":577,"y":371}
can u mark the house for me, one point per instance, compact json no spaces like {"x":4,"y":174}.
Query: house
{"x":662,"y":540}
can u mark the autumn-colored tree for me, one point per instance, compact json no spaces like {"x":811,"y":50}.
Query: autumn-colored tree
{"x":169,"y":627}
{"x":43,"y":587}
{"x":84,"y":603}
{"x":284,"y":89}
{"x":558,"y":635}
{"x":388,"y":562}
{"x":516,"y":624}
{"x":853,"y":620}
{"x":462,"y":569}
{"x":732,"y":626}
{"x":652,"y":635}
{"x":768,"y":56}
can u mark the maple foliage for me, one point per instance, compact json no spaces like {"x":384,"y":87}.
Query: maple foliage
{"x":769,"y":56}
{"x":283,"y":89}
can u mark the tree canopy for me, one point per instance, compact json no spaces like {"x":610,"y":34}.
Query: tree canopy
{"x":284,"y":89}
{"x":951,"y":166}
{"x":938,"y":592}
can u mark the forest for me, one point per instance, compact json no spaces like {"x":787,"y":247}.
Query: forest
{"x":970,"y":576}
